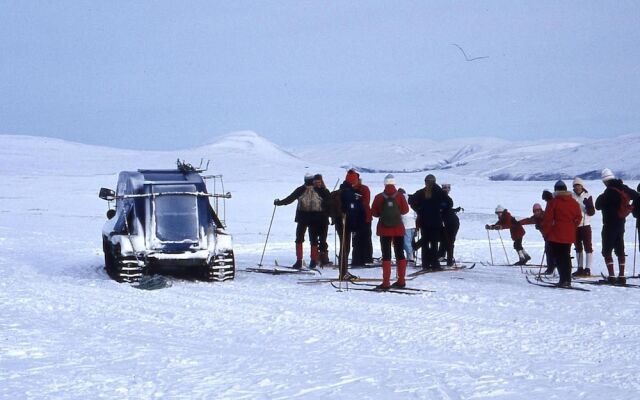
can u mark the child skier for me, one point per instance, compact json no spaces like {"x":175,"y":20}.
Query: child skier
{"x":506,"y":221}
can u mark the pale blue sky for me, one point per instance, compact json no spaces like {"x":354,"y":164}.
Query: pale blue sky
{"x":175,"y":74}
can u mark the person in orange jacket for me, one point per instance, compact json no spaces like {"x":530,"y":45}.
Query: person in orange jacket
{"x":388,"y":207}
{"x":561,"y":219}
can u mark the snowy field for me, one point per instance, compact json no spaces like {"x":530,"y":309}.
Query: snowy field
{"x":69,"y":332}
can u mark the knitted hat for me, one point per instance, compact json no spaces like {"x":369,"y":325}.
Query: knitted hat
{"x":560,"y":186}
{"x":578,"y":181}
{"x":446,"y":186}
{"x":430,"y":178}
{"x":352,"y":177}
{"x":317,"y":177}
{"x":537,"y":206}
{"x":389,"y":180}
{"x":308,"y":178}
{"x":607,"y":175}
{"x":499,"y":209}
{"x":546,"y":195}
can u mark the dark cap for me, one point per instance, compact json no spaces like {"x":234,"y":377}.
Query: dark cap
{"x":560,"y":186}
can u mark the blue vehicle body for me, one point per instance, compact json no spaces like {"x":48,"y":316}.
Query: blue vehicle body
{"x":164,"y":223}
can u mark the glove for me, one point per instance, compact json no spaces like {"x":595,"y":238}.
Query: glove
{"x":457,"y":210}
{"x":276,"y":202}
{"x":487,"y":226}
{"x":585,"y":202}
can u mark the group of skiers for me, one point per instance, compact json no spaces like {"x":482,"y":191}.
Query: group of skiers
{"x":351,"y":211}
{"x":566,"y":221}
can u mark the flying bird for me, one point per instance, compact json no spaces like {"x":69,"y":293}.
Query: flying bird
{"x":465,"y":54}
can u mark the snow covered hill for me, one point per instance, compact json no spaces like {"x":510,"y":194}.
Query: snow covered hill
{"x":69,"y":332}
{"x":496,"y":159}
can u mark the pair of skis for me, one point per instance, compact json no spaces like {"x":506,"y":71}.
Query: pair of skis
{"x":547,"y":284}
{"x":369,"y":287}
{"x":457,"y":267}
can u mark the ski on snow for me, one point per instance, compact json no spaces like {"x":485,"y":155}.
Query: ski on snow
{"x":329,"y":280}
{"x":404,"y":288}
{"x":373,"y":289}
{"x":554,"y":286}
{"x":277,"y":270}
{"x":443,"y":269}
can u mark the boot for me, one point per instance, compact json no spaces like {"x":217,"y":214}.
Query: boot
{"x":580,"y":272}
{"x":522,"y":260}
{"x":621,"y":280}
{"x":588,"y":263}
{"x":402,"y":270}
{"x":550,"y":270}
{"x":324,"y":258}
{"x":609,"y":262}
{"x":314,"y":257}
{"x":298,"y":264}
{"x":386,"y":275}
{"x":527,"y":257}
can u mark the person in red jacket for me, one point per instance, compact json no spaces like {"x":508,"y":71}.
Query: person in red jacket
{"x":507,"y":221}
{"x":561,"y":219}
{"x":388,"y":207}
{"x":536,"y":220}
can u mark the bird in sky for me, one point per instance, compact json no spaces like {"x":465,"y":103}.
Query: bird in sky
{"x":465,"y":54}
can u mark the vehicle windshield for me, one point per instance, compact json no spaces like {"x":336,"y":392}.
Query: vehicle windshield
{"x":176,"y":215}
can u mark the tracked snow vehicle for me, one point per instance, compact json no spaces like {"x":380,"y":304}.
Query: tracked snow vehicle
{"x":163,"y":222}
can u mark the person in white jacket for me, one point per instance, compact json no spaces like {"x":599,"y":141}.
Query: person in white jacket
{"x":583,"y":233}
{"x":409,"y":221}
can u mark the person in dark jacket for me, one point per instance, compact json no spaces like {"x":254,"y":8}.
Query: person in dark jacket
{"x":362,"y":246}
{"x":309,"y":216}
{"x":348,"y":214}
{"x":561,"y":218}
{"x":507,"y":221}
{"x":388,"y":207}
{"x":429,"y":202}
{"x":636,"y":214}
{"x":610,"y":203}
{"x":451,"y":225}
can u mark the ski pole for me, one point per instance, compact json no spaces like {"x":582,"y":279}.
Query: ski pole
{"x":542,"y":262}
{"x":344,"y":262}
{"x":490,"y":250}
{"x":267,"y":239}
{"x":635,"y":241}
{"x":505,"y":249}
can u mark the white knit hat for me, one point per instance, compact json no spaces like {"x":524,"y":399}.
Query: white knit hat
{"x":578,"y":181}
{"x":389,"y":180}
{"x":607,"y":175}
{"x":499,"y":208}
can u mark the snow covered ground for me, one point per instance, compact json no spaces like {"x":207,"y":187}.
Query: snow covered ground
{"x":68,"y":331}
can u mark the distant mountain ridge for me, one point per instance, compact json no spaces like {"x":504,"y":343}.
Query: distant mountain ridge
{"x":491,"y":158}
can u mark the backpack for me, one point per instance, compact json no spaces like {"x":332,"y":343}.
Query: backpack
{"x":334,"y":205}
{"x":352,"y":208}
{"x":310,"y":200}
{"x":390,"y":214}
{"x":625,"y":208}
